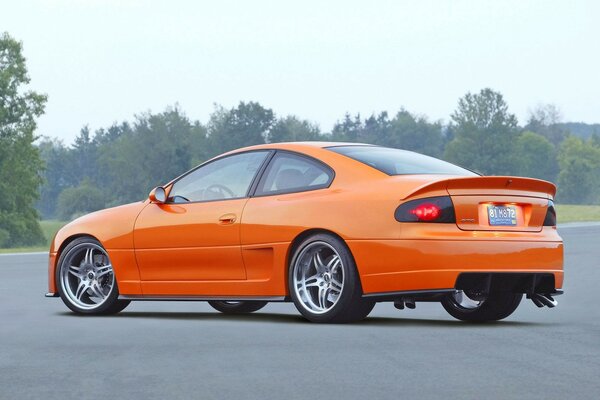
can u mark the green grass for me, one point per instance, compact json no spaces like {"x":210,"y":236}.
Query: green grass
{"x":565,"y":212}
{"x":49,"y":228}
{"x":577,"y":213}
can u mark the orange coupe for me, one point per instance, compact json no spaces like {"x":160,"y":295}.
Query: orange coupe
{"x":333,"y":227}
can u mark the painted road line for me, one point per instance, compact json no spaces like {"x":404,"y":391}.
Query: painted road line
{"x":37,"y":253}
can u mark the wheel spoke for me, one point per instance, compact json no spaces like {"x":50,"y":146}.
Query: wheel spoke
{"x":323,"y":292}
{"x":336,"y":285}
{"x":333,"y":264}
{"x":89,"y":256}
{"x":463,"y":300}
{"x":81,"y":289}
{"x":318,"y":277}
{"x":97,"y":291}
{"x":103,"y":270}
{"x":458,"y":296}
{"x":319,"y":265}
{"x":90,"y":264}
{"x":333,"y":297}
{"x":312,"y":281}
{"x":75,"y":270}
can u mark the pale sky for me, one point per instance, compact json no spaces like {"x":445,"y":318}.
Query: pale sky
{"x":102,"y":61}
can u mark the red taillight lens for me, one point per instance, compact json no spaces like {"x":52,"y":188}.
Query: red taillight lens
{"x":432,"y":209}
{"x":426,"y":212}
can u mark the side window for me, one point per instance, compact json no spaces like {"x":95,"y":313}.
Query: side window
{"x":291,"y":173}
{"x":227,"y":178}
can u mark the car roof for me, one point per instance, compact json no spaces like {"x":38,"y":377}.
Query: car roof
{"x":298,"y":145}
{"x":311,"y":148}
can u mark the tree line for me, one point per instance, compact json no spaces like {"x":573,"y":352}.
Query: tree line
{"x":122,"y":162}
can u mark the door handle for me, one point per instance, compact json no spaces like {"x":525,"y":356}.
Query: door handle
{"x":227,"y":219}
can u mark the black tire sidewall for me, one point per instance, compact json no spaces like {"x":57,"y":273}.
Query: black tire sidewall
{"x":242,"y":307}
{"x":497,"y":306}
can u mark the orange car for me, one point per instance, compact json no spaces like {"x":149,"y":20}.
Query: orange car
{"x":333,"y":227}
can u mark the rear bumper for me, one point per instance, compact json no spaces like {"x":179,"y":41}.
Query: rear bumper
{"x":419,"y":265}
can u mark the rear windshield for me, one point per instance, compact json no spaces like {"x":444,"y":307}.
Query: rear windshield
{"x":400,"y":162}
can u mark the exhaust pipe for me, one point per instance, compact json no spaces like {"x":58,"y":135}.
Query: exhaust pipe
{"x":537,"y":302}
{"x":399,"y":304}
{"x":542,"y":300}
{"x":402,"y":302}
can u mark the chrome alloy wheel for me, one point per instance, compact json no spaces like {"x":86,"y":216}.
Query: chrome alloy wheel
{"x":467,"y":301}
{"x":318,"y":277}
{"x":87,"y":276}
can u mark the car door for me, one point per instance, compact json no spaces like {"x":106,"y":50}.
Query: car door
{"x":195,"y":234}
{"x":276,"y":212}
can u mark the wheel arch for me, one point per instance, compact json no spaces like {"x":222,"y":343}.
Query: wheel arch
{"x":314,"y":231}
{"x":62,"y":247}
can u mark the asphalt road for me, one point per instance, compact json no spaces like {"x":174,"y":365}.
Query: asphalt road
{"x":186,"y":350}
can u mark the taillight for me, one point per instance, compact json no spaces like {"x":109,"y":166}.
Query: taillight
{"x":432,"y":209}
{"x":550,"y":219}
{"x":426,"y":212}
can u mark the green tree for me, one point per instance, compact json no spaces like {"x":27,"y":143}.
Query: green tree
{"x":411,"y":132}
{"x":348,"y":130}
{"x":484,"y":134}
{"x":546,"y":120}
{"x":576,"y":182}
{"x":104,"y":136}
{"x":84,"y":154}
{"x":20,"y":162}
{"x":60,"y":173}
{"x":377,"y":129}
{"x":535,"y":157}
{"x":245,"y":125}
{"x":73,"y":202}
{"x":156,"y":149}
{"x":293,"y":129}
{"x":579,"y":178}
{"x":405,"y":131}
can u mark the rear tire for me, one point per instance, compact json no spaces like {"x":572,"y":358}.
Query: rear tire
{"x":494,"y":307}
{"x":237,"y":307}
{"x":324,"y":283}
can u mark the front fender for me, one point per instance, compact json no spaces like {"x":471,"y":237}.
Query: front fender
{"x":113,"y":227}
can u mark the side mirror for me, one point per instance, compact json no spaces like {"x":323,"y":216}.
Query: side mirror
{"x":158,"y":195}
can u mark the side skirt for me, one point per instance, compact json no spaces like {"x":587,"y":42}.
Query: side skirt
{"x":204,"y":298}
{"x":418,"y":295}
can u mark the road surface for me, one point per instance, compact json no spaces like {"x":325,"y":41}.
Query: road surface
{"x":187,"y":350}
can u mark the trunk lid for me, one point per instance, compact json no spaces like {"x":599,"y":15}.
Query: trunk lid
{"x":494,"y":203}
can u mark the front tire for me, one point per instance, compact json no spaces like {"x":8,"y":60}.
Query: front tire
{"x":324,"y":283}
{"x":476,"y":307}
{"x":237,"y":307}
{"x":86,"y":280}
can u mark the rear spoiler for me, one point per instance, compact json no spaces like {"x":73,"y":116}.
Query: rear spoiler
{"x":490,"y":185}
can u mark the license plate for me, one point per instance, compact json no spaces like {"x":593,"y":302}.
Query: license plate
{"x":502,"y":215}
